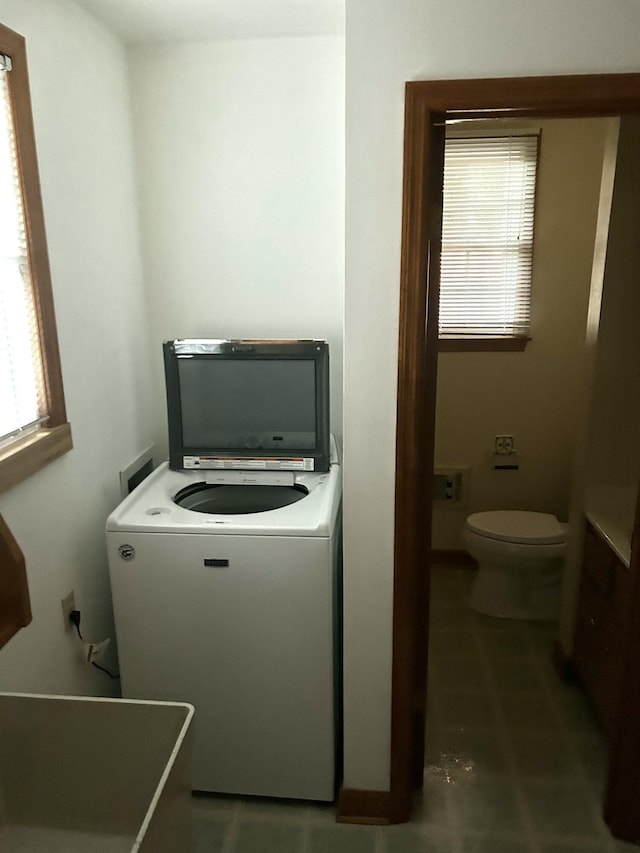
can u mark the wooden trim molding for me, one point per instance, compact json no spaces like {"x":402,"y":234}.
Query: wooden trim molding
{"x":482,"y":344}
{"x":15,"y":608}
{"x":427,"y":105}
{"x":369,"y":807}
{"x":25,"y":457}
{"x":567,"y":96}
{"x":623,"y":780}
{"x":13,"y":45}
{"x":414,"y":448}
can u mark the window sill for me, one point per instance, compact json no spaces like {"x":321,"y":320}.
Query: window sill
{"x":473,"y":344}
{"x":28,"y":455}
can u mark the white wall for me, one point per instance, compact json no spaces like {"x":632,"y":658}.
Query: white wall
{"x":281,"y":103}
{"x":388,"y":43}
{"x":240,"y":156}
{"x":81,"y":113}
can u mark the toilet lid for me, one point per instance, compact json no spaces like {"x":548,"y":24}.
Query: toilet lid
{"x":532,"y":528}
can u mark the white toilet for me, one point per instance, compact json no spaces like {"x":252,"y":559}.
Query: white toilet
{"x":520,"y":560}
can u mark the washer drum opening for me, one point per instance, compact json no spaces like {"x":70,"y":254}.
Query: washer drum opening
{"x":231,"y":499}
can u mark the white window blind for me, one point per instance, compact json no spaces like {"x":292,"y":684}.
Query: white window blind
{"x":22,"y":388}
{"x":487,"y":235}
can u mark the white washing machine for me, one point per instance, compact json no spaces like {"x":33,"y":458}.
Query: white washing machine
{"x":234,"y":607}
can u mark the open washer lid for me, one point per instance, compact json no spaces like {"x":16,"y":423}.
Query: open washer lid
{"x":531,"y":528}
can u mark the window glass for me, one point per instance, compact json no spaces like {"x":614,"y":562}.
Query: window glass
{"x":33,"y":423}
{"x":21,"y":377}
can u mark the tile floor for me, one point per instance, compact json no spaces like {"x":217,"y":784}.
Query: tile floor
{"x":515,"y":760}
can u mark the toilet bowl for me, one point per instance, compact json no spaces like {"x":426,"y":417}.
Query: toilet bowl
{"x":520,"y":559}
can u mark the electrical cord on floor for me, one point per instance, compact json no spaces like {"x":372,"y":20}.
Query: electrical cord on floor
{"x":74,"y":617}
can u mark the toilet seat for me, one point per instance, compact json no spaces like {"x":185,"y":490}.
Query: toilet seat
{"x":518,"y":526}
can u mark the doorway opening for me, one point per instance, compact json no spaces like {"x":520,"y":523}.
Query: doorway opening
{"x":428,"y":105}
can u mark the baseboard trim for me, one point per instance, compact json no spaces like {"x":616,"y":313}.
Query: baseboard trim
{"x":357,"y":806}
{"x":451,"y":557}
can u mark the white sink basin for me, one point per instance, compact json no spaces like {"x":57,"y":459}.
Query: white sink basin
{"x":81,"y":775}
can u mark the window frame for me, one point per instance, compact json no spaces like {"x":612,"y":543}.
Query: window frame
{"x":29,"y":453}
{"x":494,"y":343}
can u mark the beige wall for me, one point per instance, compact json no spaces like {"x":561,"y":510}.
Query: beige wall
{"x":614,"y":446}
{"x":608,"y":465}
{"x":533,"y":395}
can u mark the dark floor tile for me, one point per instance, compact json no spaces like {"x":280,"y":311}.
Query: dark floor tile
{"x":494,"y":843}
{"x":342,"y":839}
{"x":509,"y":675}
{"x":545,"y":664}
{"x":461,"y":673}
{"x":525,"y":711}
{"x":505,"y":645}
{"x":544,"y":755}
{"x":261,"y":836}
{"x":451,"y":642}
{"x":544,"y":629}
{"x":486,"y":624}
{"x":448,"y":593}
{"x":563,"y":808}
{"x":288,"y":811}
{"x":554,"y":744}
{"x":413,"y":839}
{"x":473,"y":751}
{"x":443,"y":759}
{"x":577,"y":713}
{"x":209,"y":835}
{"x":431,"y":808}
{"x":593,"y":756}
{"x":221,"y":806}
{"x":467,"y":708}
{"x":321,"y":813}
{"x":624,"y":847}
{"x":450,"y":613}
{"x":487,"y":806}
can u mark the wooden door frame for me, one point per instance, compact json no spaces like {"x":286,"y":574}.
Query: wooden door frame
{"x":427,"y":104}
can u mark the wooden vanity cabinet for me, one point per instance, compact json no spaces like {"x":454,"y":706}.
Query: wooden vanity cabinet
{"x":601,"y":626}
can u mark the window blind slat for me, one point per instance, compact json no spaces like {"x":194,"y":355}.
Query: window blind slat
{"x":487,"y":235}
{"x":22,"y":387}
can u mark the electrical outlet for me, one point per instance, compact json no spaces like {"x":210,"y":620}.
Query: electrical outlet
{"x":68,"y":604}
{"x":94,"y":650}
{"x":503,"y":444}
